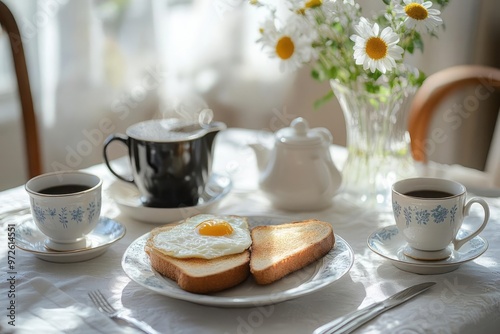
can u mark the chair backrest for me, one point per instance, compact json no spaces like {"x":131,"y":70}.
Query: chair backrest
{"x":435,"y":89}
{"x":32,"y":144}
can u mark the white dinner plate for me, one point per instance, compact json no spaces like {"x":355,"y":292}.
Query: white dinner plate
{"x":317,"y":275}
{"x":388,"y":243}
{"x":30,"y":239}
{"x":128,"y":199}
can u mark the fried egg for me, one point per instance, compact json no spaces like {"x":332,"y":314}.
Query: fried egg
{"x":205,"y":236}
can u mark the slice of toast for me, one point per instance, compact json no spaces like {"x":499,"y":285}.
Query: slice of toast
{"x":199,"y":275}
{"x":278,"y":250}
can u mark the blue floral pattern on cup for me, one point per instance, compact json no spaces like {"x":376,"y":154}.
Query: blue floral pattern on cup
{"x":67,"y":216}
{"x":423,"y":216}
{"x":52,"y":212}
{"x":407,"y":213}
{"x":453,"y":211}
{"x":92,"y":209}
{"x":39,"y":214}
{"x":439,"y":214}
{"x":396,"y":207}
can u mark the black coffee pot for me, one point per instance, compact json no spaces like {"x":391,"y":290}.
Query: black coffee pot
{"x":171,"y":160}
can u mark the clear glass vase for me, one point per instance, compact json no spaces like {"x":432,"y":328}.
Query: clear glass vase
{"x":378,"y":142}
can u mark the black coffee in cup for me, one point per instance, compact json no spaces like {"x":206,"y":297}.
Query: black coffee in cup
{"x":171,"y":160}
{"x":428,"y":194}
{"x":64,"y":189}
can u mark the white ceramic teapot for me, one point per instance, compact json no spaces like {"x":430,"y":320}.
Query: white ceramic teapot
{"x":298,"y":173}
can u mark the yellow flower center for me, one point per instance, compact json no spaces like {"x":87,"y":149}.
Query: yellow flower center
{"x":416,"y":11}
{"x":376,"y":48}
{"x":285,"y":47}
{"x":313,"y":3}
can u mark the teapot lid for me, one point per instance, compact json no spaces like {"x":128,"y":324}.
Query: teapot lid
{"x":299,"y":133}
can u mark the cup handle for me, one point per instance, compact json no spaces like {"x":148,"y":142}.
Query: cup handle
{"x":460,"y":242}
{"x":124,"y":140}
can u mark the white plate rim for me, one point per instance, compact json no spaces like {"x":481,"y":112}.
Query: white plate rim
{"x":341,"y":247}
{"x":424,"y":264}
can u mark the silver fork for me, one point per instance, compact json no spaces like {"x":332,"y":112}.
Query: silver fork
{"x":105,"y":307}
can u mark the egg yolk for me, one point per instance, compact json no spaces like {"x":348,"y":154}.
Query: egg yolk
{"x":215,"y":228}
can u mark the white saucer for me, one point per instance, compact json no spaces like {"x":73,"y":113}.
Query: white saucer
{"x":127,"y":197}
{"x":388,"y":243}
{"x":30,"y":239}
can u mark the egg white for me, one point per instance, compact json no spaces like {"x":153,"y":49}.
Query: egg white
{"x":184,"y":241}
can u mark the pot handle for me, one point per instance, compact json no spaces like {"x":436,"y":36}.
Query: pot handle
{"x":325,"y":134}
{"x":121,"y":138}
{"x":331,"y":179}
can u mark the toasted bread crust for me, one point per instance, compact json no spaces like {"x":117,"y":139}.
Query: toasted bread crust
{"x":199,"y":275}
{"x":277,"y":251}
{"x":178,"y":270}
{"x":282,"y":249}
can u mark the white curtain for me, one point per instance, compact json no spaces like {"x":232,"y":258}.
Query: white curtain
{"x":94,"y":70}
{"x":98,"y":66}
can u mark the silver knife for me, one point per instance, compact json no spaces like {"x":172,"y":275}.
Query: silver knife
{"x":350,"y":322}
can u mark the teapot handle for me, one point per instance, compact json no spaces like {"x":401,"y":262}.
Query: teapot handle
{"x":331,"y":179}
{"x":325,"y":135}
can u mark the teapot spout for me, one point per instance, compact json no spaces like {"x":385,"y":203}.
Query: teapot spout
{"x":262,"y":154}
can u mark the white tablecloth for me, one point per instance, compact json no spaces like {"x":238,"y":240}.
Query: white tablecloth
{"x":463,"y":301}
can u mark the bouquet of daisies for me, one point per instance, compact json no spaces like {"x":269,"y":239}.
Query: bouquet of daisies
{"x":340,"y":43}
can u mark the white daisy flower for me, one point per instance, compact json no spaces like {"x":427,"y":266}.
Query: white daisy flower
{"x":346,"y":11}
{"x":374,"y":49}
{"x":266,"y":29}
{"x":419,"y":15}
{"x":291,"y":45}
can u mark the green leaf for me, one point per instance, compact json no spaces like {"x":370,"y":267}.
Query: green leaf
{"x":333,"y":72}
{"x":442,"y":3}
{"x":387,"y":2}
{"x":417,"y":80}
{"x":421,"y":78}
{"x":323,"y":100}
{"x":410,"y":46}
{"x":372,"y":87}
{"x":419,"y":44}
{"x":374,"y":76}
{"x":315,"y":74}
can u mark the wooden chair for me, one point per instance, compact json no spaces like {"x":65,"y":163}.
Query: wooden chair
{"x":9,"y":25}
{"x":435,"y":89}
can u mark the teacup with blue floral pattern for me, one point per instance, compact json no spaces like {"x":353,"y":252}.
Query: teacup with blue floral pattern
{"x":429,"y":224}
{"x":65,"y":218}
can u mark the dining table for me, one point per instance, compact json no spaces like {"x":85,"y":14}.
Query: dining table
{"x":46,"y":293}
